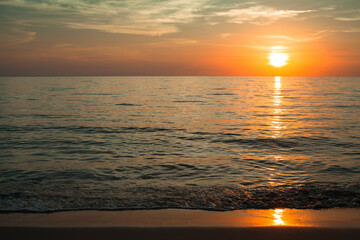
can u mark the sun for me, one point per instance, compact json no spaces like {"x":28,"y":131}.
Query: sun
{"x":277,"y":58}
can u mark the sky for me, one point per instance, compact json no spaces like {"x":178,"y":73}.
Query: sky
{"x":178,"y":37}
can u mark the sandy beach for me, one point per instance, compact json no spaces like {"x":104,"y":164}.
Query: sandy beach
{"x":184,"y":224}
{"x":180,"y":233}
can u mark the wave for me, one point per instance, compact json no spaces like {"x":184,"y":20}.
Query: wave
{"x":129,"y":104}
{"x":216,"y":198}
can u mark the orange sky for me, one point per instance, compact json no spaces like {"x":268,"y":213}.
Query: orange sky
{"x":176,"y":37}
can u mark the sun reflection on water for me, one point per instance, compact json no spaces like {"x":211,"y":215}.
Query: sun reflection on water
{"x":276,"y":123}
{"x":277,"y":129}
{"x":277,"y":83}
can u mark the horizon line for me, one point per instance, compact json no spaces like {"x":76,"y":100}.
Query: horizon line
{"x":15,"y":76}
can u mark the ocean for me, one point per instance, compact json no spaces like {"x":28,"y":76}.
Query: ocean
{"x":214,"y":143}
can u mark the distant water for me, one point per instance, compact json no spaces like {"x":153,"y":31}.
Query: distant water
{"x":216,"y":143}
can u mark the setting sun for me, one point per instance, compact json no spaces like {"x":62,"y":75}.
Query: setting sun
{"x":277,"y":58}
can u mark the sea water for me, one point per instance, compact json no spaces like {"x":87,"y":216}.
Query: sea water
{"x":216,"y":143}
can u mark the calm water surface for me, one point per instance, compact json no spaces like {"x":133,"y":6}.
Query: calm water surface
{"x":217,"y":143}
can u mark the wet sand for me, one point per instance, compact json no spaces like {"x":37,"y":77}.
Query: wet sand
{"x":184,"y":224}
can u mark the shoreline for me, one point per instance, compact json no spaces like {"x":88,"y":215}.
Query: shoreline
{"x":335,"y":217}
{"x":339,"y":223}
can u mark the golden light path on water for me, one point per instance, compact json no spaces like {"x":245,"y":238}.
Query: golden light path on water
{"x":277,"y":100}
{"x":276,"y":123}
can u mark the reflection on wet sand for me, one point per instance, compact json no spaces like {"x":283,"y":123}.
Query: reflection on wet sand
{"x":278,"y":214}
{"x":279,"y":217}
{"x":346,"y":218}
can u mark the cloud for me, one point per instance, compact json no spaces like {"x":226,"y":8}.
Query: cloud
{"x":260,"y":15}
{"x":131,"y":28}
{"x":63,"y":45}
{"x":351,"y":30}
{"x":155,"y":17}
{"x":146,"y":17}
{"x":311,"y":37}
{"x":329,"y":8}
{"x":15,"y":37}
{"x":130,"y":17}
{"x":347,"y":19}
{"x":168,"y":42}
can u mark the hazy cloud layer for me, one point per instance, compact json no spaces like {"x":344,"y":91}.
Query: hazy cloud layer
{"x":132,"y":17}
{"x":150,"y":17}
{"x":260,"y":14}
